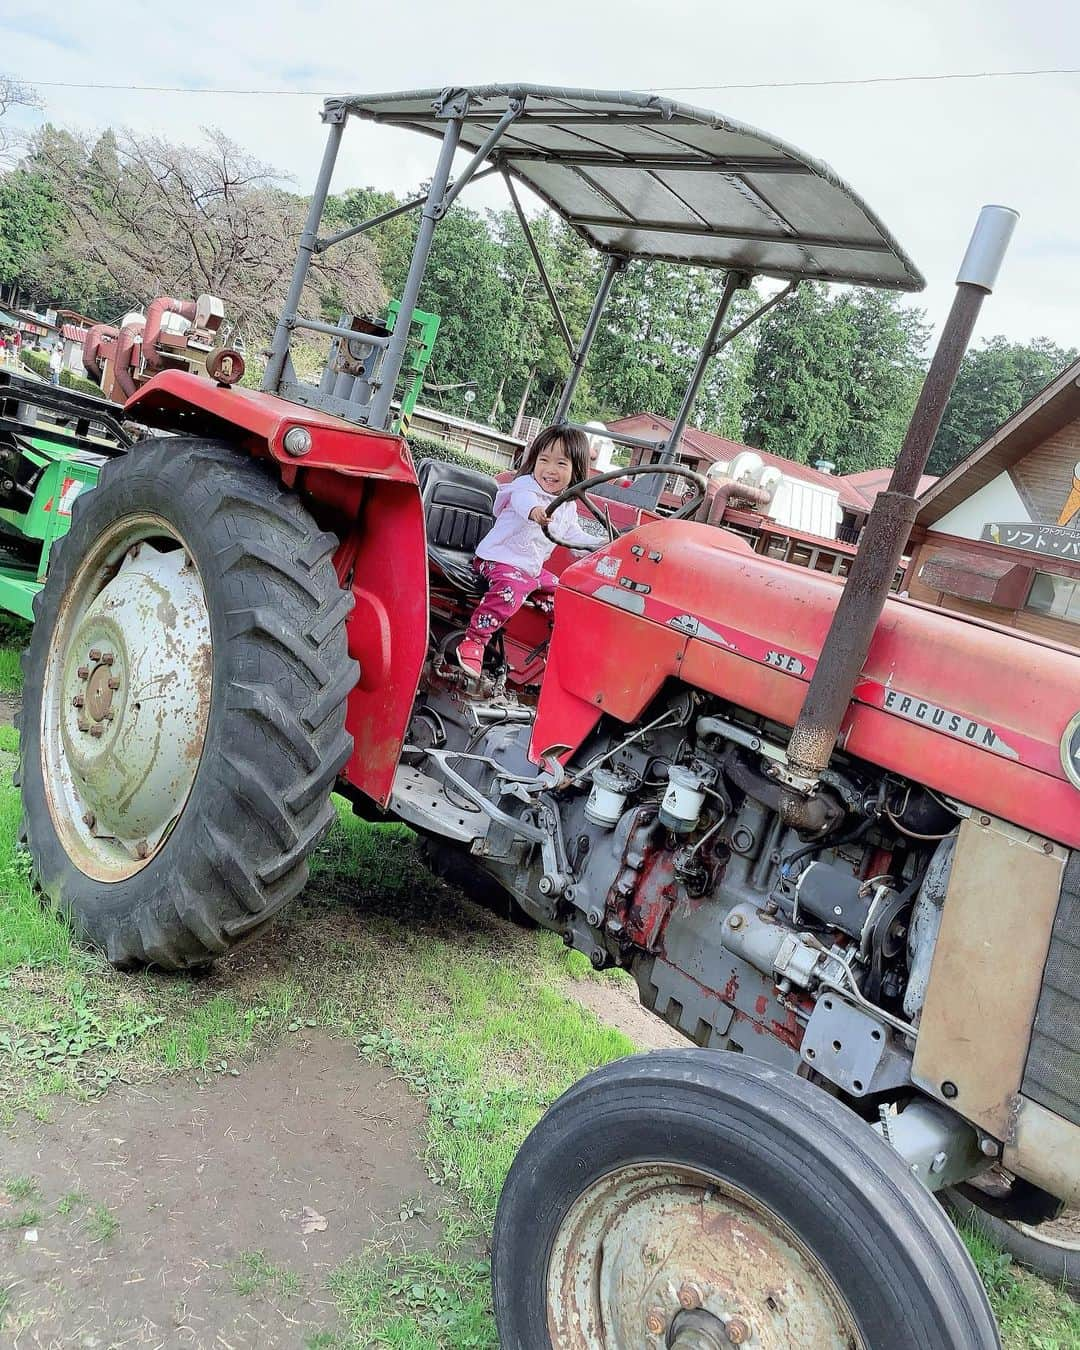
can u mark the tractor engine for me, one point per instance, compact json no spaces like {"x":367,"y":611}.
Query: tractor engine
{"x":664,"y":850}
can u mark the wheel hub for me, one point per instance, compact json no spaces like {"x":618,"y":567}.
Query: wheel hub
{"x":130,"y":675}
{"x":664,"y":1257}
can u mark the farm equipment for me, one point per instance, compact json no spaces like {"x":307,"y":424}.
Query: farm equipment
{"x":832,"y":833}
{"x":53,"y":441}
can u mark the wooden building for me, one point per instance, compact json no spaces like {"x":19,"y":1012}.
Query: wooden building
{"x":999,"y":536}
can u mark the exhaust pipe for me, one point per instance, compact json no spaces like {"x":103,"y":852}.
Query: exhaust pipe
{"x":888,"y":526}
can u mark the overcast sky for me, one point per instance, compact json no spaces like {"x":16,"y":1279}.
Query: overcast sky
{"x":925,"y":156}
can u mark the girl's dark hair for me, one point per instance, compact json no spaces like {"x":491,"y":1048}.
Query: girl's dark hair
{"x":575,"y":443}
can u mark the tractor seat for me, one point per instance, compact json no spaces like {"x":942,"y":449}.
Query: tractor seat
{"x":458,"y":511}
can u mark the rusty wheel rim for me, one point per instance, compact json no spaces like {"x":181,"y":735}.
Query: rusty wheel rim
{"x":659,"y":1255}
{"x":126,"y":697}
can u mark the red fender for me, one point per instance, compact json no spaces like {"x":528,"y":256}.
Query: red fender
{"x":362,"y":484}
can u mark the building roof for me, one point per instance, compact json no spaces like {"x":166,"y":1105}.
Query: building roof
{"x":1050,"y":410}
{"x":72,"y":333}
{"x":713,"y":448}
{"x":869,"y":482}
{"x":642,"y":176}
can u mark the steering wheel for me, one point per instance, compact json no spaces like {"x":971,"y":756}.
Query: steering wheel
{"x":579,"y":491}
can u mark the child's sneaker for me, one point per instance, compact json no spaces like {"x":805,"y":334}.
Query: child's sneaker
{"x":470,"y":657}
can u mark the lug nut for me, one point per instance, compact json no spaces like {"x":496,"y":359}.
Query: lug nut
{"x":114,"y":682}
{"x":97,"y":729}
{"x":95,"y":653}
{"x":736,"y":921}
{"x":689,"y":1296}
{"x":83,"y":672}
{"x":738,"y":1331}
{"x":89,"y":820}
{"x":107,"y":658}
{"x":142,"y":848}
{"x":654,"y":1322}
{"x":78,"y":701}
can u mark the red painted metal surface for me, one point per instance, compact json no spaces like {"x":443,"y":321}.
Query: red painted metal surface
{"x":968,"y":708}
{"x":368,"y":480}
{"x":179,"y":400}
{"x":387,"y":557}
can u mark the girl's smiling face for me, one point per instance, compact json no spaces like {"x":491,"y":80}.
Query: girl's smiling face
{"x":553,"y":469}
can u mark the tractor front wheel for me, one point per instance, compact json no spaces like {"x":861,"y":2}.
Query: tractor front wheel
{"x":183,"y":722}
{"x":703,"y":1200}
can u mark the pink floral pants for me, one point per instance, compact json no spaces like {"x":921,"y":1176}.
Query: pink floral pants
{"x":508,"y":590}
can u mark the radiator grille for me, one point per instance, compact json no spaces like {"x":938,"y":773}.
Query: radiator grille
{"x":1052,"y":1073}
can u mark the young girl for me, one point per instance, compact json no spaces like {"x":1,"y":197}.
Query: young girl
{"x":513,"y":552}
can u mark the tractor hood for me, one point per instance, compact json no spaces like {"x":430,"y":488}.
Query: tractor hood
{"x":978,"y":712}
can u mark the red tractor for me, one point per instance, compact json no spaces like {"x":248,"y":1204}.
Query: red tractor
{"x":834,"y":834}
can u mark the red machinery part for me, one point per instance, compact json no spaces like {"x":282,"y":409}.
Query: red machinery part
{"x":155,"y":314}
{"x":97,"y":338}
{"x":940,"y":699}
{"x":366,"y":478}
{"x":124,"y":357}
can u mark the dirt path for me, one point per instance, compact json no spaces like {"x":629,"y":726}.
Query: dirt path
{"x":617,"y":1005}
{"x":198,"y":1180}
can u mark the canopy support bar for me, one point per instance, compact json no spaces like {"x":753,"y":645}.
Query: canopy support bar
{"x":616,"y":263}
{"x":379,"y":410}
{"x":279,"y":345}
{"x":323,"y":244}
{"x":553,"y":299}
{"x":733,"y":281}
{"x":489,"y":143}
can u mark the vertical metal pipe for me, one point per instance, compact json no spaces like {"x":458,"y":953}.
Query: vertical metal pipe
{"x":379,"y":416}
{"x":733,"y":281}
{"x":577,"y":362}
{"x":847,"y":642}
{"x":279,"y":347}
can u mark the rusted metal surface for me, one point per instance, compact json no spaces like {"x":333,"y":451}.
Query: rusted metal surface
{"x":1044,"y":1149}
{"x":127,"y":697}
{"x":659,"y":1255}
{"x":845,"y":648}
{"x":987,"y":971}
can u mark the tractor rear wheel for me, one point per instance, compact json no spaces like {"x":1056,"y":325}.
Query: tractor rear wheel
{"x":699,"y":1199}
{"x":183,"y":721}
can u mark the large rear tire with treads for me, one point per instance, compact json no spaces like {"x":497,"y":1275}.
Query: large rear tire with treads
{"x":702,"y":1199}
{"x":183,"y":720}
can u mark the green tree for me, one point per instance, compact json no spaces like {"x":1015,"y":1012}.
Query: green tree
{"x":995,"y":381}
{"x":835,"y":377}
{"x":654,"y":327}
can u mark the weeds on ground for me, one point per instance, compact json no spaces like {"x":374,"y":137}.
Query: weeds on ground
{"x":22,"y":1188}
{"x":1031,"y":1313}
{"x":254,"y":1273}
{"x":26,"y":1218}
{"x":470,"y":1012}
{"x":414,"y":1301}
{"x":101,"y":1224}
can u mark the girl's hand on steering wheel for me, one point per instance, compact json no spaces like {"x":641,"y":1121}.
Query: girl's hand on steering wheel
{"x":540,"y":516}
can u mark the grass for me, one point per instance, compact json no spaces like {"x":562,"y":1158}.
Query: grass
{"x":68,"y":1203}
{"x":22,"y":1188}
{"x":10,"y":671}
{"x":256,"y":1274}
{"x":101,"y":1224}
{"x":26,"y":1218}
{"x":472,"y":1014}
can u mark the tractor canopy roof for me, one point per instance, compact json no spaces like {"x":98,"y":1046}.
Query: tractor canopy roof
{"x":640,"y":176}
